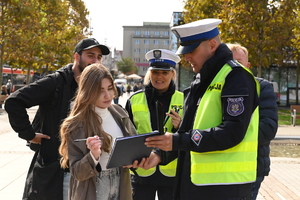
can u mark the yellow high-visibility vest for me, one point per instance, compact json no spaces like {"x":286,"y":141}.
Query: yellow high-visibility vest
{"x":236,"y":165}
{"x":141,"y":118}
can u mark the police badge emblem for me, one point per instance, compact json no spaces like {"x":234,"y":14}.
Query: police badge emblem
{"x":235,"y":106}
{"x":157,"y":54}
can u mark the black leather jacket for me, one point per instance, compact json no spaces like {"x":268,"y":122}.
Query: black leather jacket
{"x":41,"y":93}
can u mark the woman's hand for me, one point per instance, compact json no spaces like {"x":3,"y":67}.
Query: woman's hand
{"x":176,"y":119}
{"x":94,"y":145}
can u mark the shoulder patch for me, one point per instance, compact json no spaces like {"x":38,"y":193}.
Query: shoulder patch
{"x":196,"y":137}
{"x":235,"y":106}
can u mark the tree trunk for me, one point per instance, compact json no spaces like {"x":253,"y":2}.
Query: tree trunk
{"x":297,"y":81}
{"x":2,"y":44}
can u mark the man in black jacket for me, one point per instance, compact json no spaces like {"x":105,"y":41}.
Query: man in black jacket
{"x":217,"y":139}
{"x":268,"y":119}
{"x":46,"y":180}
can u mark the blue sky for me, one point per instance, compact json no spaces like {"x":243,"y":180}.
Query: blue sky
{"x":108,"y":17}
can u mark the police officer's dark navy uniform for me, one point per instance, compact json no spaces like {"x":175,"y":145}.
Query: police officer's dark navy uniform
{"x":219,"y":128}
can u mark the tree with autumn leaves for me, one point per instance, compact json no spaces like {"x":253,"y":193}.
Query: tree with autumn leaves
{"x":265,"y":27}
{"x":40,"y":35}
{"x":296,"y":49}
{"x":269,"y":29}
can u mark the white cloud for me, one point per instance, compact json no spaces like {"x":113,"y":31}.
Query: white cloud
{"x":108,"y":17}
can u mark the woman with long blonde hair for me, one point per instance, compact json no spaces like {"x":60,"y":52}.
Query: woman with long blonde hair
{"x":95,"y":118}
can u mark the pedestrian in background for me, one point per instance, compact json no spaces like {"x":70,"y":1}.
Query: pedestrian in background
{"x":217,"y":138}
{"x":93,"y":117}
{"x":8,"y":86}
{"x":135,"y":87}
{"x":122,"y":88}
{"x":141,"y":86}
{"x":128,"y":89}
{"x":268,"y":119}
{"x":118,"y":94}
{"x":53,"y":94}
{"x":159,"y":86}
{"x":3,"y":95}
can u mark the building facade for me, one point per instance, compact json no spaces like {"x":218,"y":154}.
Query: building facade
{"x":177,"y":19}
{"x":138,"y":40}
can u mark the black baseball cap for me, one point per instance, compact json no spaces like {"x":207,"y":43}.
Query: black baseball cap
{"x":89,"y":43}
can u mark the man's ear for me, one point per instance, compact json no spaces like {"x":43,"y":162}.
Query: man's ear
{"x":76,"y":57}
{"x":213,"y":45}
{"x":248,"y":65}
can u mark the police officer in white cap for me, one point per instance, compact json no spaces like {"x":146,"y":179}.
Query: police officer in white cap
{"x":217,"y":138}
{"x":141,"y":107}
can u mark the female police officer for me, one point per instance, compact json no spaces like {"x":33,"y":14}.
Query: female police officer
{"x":141,"y":107}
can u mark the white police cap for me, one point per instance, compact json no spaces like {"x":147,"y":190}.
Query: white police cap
{"x":192,"y":34}
{"x":162,"y":59}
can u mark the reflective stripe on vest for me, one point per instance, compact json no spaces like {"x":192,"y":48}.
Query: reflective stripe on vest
{"x":141,"y":118}
{"x":231,"y":166}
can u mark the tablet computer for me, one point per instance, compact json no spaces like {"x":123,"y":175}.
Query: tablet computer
{"x":128,"y":149}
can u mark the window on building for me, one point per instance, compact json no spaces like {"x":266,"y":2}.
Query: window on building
{"x":166,"y":33}
{"x":146,"y":32}
{"x":146,"y":41}
{"x":136,"y":59}
{"x":137,"y":50}
{"x":166,"y":42}
{"x":137,"y":32}
{"x":146,"y":50}
{"x":156,"y":33}
{"x":155,"y":42}
{"x":136,"y":41}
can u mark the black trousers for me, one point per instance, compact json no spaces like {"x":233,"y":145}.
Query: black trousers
{"x":148,"y":192}
{"x":150,"y":186}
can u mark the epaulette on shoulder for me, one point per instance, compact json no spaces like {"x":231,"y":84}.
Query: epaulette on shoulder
{"x":234,"y":63}
{"x":137,"y":92}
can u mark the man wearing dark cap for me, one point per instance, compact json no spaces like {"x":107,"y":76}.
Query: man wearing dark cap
{"x":217,"y":138}
{"x":53,"y":94}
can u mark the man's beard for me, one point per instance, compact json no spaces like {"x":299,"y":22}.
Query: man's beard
{"x":81,"y":65}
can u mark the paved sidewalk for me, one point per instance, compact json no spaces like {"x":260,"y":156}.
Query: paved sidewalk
{"x":282,"y":183}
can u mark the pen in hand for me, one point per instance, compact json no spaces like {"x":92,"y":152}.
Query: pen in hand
{"x":167,"y":117}
{"x":84,"y":139}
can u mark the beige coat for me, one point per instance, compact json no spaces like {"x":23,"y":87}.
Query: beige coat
{"x":82,"y":167}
